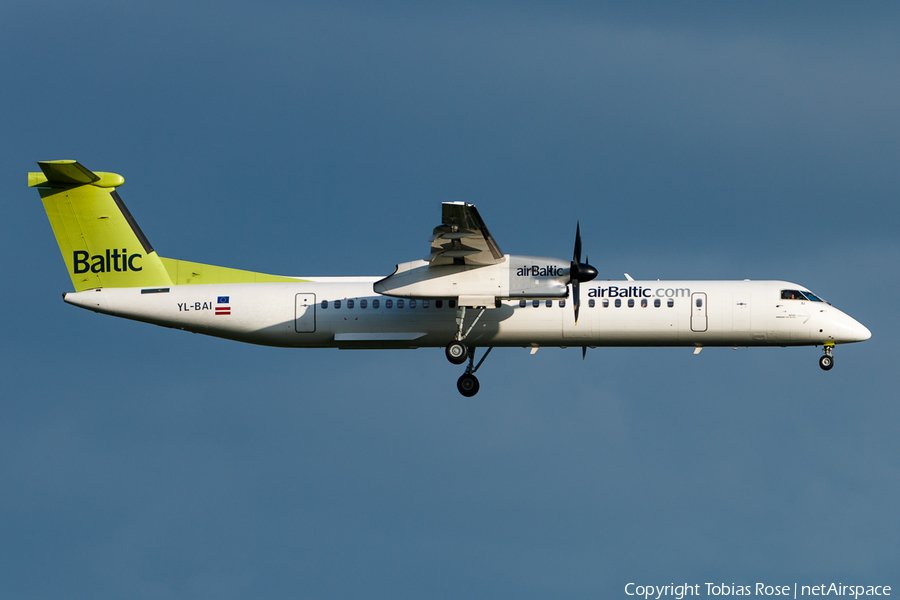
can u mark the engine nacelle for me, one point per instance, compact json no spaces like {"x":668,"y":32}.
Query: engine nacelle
{"x":515,"y":277}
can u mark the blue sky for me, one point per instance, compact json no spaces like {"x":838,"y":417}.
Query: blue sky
{"x":691,"y":141}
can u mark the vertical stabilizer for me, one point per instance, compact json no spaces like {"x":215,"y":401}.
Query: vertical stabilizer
{"x":100,"y":241}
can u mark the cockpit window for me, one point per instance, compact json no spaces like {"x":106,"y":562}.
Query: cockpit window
{"x":792,"y":295}
{"x":798,"y":295}
{"x":813,"y":297}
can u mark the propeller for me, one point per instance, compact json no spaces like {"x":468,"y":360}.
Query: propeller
{"x":579,"y":271}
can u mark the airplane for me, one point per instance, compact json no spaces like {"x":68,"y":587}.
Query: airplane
{"x":465,"y":294}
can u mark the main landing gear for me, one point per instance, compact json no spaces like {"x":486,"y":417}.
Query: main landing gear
{"x":457,"y":353}
{"x":467,"y":384}
{"x":826,"y":361}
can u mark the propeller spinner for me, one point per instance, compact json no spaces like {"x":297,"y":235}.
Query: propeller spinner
{"x":579,"y":271}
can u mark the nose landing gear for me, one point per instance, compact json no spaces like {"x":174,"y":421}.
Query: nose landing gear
{"x":826,"y":361}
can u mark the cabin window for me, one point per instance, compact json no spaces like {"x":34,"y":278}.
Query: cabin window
{"x":643,"y":303}
{"x":349,"y":303}
{"x":699,"y":302}
{"x":618,"y":302}
{"x":399,"y":303}
{"x":375,"y":303}
{"x":439,"y":304}
{"x":631,"y":303}
{"x":426,"y":303}
{"x":562,"y":303}
{"x":412,"y":303}
{"x":522,"y":304}
{"x":657,"y":303}
{"x":363,"y":303}
{"x":324,"y":303}
{"x":605,"y":303}
{"x":670,"y":303}
{"x":337,"y":304}
{"x":549,"y":303}
{"x":592,"y":303}
{"x":389,"y":304}
{"x":535,"y":303}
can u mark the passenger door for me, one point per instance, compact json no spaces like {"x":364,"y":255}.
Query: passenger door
{"x":698,"y":312}
{"x":305,"y":313}
{"x":740,"y":312}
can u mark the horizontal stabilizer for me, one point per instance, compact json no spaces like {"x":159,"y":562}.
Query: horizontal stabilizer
{"x":70,"y":173}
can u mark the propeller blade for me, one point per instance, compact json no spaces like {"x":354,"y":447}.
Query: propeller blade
{"x":576,"y":298}
{"x":583,"y":352}
{"x":579,"y":271}
{"x":577,"y":257}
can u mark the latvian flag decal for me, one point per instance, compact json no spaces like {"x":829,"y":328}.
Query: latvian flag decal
{"x":222,"y":306}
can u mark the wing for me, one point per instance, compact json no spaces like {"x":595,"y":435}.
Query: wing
{"x":462,"y":238}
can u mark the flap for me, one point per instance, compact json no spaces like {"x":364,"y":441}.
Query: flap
{"x":462,"y":238}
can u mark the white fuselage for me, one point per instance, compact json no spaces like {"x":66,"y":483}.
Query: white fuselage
{"x":649,"y":313}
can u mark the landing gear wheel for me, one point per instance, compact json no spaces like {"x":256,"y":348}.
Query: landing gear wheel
{"x":467,"y":385}
{"x":826,"y":362}
{"x":457,"y":353}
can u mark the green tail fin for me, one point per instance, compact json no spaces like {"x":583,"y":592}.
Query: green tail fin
{"x":100,"y":241}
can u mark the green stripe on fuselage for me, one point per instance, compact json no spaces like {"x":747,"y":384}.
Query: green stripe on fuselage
{"x":184,"y":272}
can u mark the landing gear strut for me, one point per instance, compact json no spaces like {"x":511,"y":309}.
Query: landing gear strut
{"x":827,"y":360}
{"x":457,"y":353}
{"x":468,"y":384}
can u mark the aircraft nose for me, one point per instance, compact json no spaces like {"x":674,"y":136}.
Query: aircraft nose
{"x":854,"y":331}
{"x":862,"y":332}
